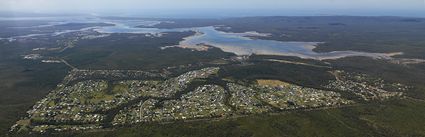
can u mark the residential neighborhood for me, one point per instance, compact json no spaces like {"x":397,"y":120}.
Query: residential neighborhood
{"x":96,"y":99}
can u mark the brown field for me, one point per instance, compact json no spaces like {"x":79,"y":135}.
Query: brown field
{"x":273,"y":83}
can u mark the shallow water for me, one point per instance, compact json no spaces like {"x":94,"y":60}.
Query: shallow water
{"x":241,"y":44}
{"x":237,"y":43}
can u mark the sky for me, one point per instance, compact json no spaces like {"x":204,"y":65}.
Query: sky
{"x":272,"y":7}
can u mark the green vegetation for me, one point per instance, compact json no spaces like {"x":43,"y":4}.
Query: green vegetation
{"x":138,"y":53}
{"x":298,"y":74}
{"x":390,"y":118}
{"x":23,"y":82}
